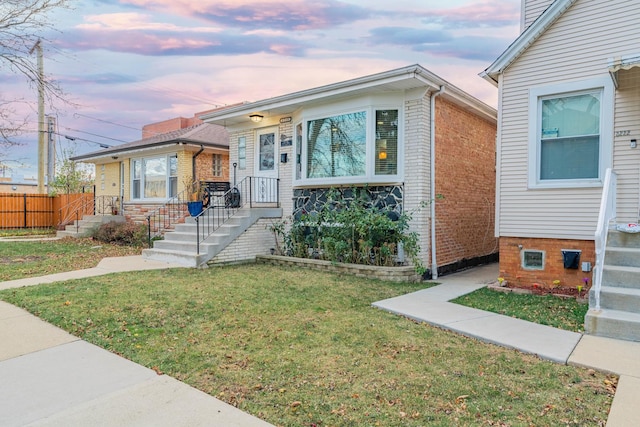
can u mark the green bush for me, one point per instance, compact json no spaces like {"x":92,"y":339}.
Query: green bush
{"x":356,"y":233}
{"x":122,"y":233}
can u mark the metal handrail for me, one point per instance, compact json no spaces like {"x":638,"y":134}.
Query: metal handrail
{"x":170,"y":213}
{"x":606,"y":215}
{"x":250,"y":191}
{"x":96,"y":205}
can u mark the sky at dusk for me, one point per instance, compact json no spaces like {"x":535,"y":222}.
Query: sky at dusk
{"x":126,"y":63}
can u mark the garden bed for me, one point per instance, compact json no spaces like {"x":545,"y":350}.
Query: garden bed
{"x":566,"y":293}
{"x":394,"y":274}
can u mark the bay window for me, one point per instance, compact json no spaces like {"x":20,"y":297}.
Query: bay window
{"x":154,"y":177}
{"x":354,"y":147}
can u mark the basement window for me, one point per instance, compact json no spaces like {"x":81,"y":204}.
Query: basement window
{"x":533,"y":260}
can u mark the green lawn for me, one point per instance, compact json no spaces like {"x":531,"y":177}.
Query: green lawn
{"x":548,"y":310}
{"x":303,"y":348}
{"x":30,"y":259}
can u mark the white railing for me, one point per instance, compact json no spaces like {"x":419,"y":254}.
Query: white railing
{"x":607,"y":214}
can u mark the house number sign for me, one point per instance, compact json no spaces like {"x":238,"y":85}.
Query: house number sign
{"x":623,"y":132}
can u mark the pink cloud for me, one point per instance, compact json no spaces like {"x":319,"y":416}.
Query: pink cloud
{"x":482,"y":13}
{"x":253,"y":14}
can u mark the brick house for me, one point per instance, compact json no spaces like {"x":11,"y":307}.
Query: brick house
{"x":405,"y":134}
{"x":567,"y":156}
{"x":140,"y":176}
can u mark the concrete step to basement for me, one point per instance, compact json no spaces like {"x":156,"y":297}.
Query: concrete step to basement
{"x":620,"y":239}
{"x":621,"y":276}
{"x":615,"y":298}
{"x":613,"y":324}
{"x":625,"y":257}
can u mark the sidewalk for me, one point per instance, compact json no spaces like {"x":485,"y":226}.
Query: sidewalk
{"x":51,"y":378}
{"x":613,"y":356}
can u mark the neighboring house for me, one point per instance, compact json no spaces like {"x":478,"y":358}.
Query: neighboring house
{"x":569,"y":99}
{"x":140,"y":176}
{"x":406,"y":134}
{"x":18,"y":185}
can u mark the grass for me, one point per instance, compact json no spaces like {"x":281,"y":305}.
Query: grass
{"x":30,"y":259}
{"x":548,"y":310}
{"x":27,"y":232}
{"x":301,"y":348}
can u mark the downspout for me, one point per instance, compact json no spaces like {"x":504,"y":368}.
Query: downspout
{"x":432,"y":112}
{"x":193,"y":162}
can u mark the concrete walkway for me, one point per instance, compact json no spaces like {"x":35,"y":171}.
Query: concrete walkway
{"x":51,"y":378}
{"x":608,"y":355}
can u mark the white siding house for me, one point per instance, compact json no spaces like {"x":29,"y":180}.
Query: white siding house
{"x":569,"y":96}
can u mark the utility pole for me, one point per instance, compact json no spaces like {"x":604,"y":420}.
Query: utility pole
{"x":42,"y":150}
{"x":51,"y":149}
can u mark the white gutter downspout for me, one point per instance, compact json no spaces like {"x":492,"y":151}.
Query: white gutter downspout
{"x":432,"y":112}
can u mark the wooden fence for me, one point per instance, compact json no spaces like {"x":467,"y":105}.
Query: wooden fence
{"x":39,"y":210}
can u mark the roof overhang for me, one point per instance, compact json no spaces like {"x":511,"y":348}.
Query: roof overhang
{"x":112,"y":154}
{"x":621,"y":64}
{"x":526,"y":39}
{"x":402,"y":79}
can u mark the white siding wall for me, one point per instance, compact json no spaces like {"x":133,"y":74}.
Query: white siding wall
{"x":533,"y":9}
{"x":575,"y":48}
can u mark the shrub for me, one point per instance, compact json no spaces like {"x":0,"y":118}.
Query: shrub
{"x":357,"y":232}
{"x":122,"y":233}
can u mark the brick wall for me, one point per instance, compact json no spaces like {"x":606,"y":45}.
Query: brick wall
{"x":204,"y":168}
{"x":257,"y":240}
{"x":417,"y":169}
{"x":168,"y":126}
{"x":465,"y":177}
{"x":511,"y":269}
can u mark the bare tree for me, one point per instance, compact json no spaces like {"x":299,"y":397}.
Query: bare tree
{"x":22,"y":24}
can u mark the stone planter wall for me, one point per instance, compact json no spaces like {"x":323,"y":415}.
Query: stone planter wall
{"x":394,"y":274}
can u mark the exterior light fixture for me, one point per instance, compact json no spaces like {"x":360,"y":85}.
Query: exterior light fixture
{"x":256,"y":118}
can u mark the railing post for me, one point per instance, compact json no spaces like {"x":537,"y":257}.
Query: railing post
{"x":149,"y":230}
{"x":278,"y":192}
{"x":197,"y":235}
{"x":250,"y":192}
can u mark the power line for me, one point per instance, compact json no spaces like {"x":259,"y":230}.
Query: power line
{"x":106,"y":121}
{"x":94,"y":134}
{"x":76,"y":138}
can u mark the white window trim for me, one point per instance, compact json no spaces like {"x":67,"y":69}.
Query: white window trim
{"x":167,"y":181}
{"x":369,"y":177}
{"x":603,"y":84}
{"x":530,"y":268}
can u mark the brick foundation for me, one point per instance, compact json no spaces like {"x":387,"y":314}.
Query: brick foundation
{"x":512,"y":271}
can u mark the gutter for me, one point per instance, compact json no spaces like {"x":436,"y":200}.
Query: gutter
{"x":434,"y":264}
{"x":193,"y":162}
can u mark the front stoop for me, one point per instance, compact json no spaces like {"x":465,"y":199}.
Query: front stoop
{"x":619,"y":314}
{"x":180,"y":245}
{"x":86,"y":226}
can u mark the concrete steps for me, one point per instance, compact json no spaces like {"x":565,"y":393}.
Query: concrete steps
{"x":180,"y":246}
{"x":617,"y":324}
{"x":619,"y":314}
{"x":86,"y":226}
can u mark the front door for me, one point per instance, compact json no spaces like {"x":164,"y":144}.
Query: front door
{"x":266,"y":168}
